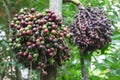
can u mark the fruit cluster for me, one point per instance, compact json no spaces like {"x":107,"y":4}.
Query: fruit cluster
{"x":39,"y":39}
{"x":91,"y":29}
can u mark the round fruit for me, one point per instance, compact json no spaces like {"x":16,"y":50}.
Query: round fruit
{"x":53,"y":32}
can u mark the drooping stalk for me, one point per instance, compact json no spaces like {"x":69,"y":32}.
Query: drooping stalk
{"x":85,"y":60}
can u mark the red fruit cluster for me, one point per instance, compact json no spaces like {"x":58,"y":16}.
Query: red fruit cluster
{"x":39,"y":39}
{"x":91,"y":29}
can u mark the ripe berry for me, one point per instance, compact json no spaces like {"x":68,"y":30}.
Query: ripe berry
{"x":12,"y":25}
{"x":61,"y":34}
{"x":32,"y":10}
{"x":44,"y":73}
{"x":25,"y":54}
{"x":28,"y":43}
{"x":29,"y":57}
{"x":45,"y":30}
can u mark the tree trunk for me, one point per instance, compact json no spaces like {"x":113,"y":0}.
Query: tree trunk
{"x":56,"y":6}
{"x":85,"y":64}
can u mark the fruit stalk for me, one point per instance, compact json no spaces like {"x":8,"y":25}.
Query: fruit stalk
{"x":85,"y":61}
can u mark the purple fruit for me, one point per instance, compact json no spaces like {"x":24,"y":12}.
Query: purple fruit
{"x":12,"y":25}
{"x":25,"y":54}
{"x":32,"y":10}
{"x":33,"y":45}
{"x":38,"y":67}
{"x":44,"y":73}
{"x":29,"y":47}
{"x":22,"y":22}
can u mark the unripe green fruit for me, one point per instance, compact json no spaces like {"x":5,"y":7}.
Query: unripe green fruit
{"x":18,"y":45}
{"x":68,"y":35}
{"x":11,"y":44}
{"x":26,"y":28}
{"x":35,"y":55}
{"x":29,"y":26}
{"x":22,"y":10}
{"x":44,"y":26}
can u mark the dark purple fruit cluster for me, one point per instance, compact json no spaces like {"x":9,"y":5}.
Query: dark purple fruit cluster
{"x":39,"y":39}
{"x":91,"y":29}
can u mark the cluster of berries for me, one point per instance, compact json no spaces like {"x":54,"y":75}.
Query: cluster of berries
{"x":39,"y":39}
{"x":91,"y":28}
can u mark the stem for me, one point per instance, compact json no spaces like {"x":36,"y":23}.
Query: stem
{"x":85,"y":64}
{"x":77,"y":2}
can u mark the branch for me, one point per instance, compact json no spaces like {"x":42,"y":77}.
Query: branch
{"x":77,"y":2}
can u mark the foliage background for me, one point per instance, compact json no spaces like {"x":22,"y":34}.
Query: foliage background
{"x":105,"y":63}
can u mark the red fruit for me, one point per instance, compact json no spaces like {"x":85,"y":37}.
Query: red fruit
{"x":28,"y":32}
{"x":22,"y":22}
{"x":39,"y":68}
{"x":18,"y":27}
{"x":53,"y":16}
{"x":52,"y":49}
{"x":20,"y":53}
{"x":54,"y":26}
{"x":40,"y":27}
{"x":33,"y":45}
{"x":38,"y":43}
{"x":29,"y":57}
{"x":30,"y":23}
{"x":41,"y":22}
{"x":40,"y":38}
{"x":45,"y":30}
{"x":12,"y":25}
{"x":20,"y":34}
{"x":49,"y":19}
{"x":32,"y":10}
{"x":24,"y":54}
{"x":24,"y":32}
{"x":51,"y":54}
{"x":61,"y":34}
{"x":48,"y":50}
{"x":42,"y":65}
{"x":61,"y":39}
{"x":50,"y":39}
{"x":54,"y":32}
{"x":28,"y":43}
{"x":32,"y":17}
{"x":44,"y":73}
